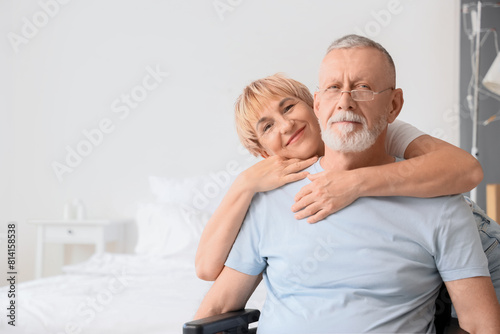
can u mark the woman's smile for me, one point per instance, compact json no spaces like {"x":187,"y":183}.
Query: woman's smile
{"x":296,"y":136}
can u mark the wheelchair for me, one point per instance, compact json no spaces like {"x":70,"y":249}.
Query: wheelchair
{"x":238,"y":322}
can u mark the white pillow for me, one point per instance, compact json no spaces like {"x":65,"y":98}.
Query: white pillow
{"x":169,"y":230}
{"x":200,"y":192}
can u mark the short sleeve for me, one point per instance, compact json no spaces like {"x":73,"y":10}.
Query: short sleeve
{"x":245,"y":255}
{"x":399,"y":136}
{"x":459,"y":253}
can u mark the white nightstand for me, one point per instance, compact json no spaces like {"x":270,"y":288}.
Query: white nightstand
{"x":97,"y":232}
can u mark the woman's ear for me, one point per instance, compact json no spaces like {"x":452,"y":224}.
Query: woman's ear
{"x":264,"y":154}
{"x":396,"y":105}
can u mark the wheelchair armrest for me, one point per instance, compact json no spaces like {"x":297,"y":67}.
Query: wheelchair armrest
{"x":231,"y":322}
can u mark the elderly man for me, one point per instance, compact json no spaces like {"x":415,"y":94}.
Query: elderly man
{"x":375,"y":266}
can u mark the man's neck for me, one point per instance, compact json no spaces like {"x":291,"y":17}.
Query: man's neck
{"x":340,"y":161}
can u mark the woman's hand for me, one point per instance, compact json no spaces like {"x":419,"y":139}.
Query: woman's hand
{"x":274,"y":172}
{"x":222,"y":228}
{"x":328,"y":193}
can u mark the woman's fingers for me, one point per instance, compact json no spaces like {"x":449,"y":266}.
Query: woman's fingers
{"x":316,"y":176}
{"x":307,"y":210}
{"x":275,"y":171}
{"x":293,"y":169}
{"x":295,"y":177}
{"x":318,"y":216}
{"x":304,"y":191}
{"x":315,"y":211}
{"x":295,"y":165}
{"x":326,"y":194}
{"x":302,"y":199}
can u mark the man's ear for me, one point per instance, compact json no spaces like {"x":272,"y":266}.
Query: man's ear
{"x":316,"y":104}
{"x":396,"y":105}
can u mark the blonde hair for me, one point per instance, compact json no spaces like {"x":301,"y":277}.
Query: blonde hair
{"x":255,"y":98}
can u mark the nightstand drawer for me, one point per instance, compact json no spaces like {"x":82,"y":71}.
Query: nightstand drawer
{"x":71,"y":234}
{"x":97,"y":232}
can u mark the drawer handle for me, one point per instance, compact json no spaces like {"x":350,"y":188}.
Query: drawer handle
{"x":70,"y":231}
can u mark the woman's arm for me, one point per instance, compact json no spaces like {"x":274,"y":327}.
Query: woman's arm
{"x":223,"y":227}
{"x":434,"y":168}
{"x":447,"y":169}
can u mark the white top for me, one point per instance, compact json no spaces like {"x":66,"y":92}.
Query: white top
{"x":399,"y":136}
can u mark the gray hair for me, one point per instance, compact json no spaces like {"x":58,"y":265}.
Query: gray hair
{"x":356,"y":41}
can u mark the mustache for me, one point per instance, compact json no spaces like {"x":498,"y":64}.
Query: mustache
{"x":346,"y":116}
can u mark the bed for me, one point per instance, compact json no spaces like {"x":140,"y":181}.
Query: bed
{"x":154,"y":290}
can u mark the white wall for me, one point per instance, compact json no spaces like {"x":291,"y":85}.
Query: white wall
{"x":64,"y":76}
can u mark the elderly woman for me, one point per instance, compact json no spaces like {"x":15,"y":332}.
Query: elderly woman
{"x":275,"y":119}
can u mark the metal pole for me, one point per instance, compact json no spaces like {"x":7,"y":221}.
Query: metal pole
{"x":475,"y":116}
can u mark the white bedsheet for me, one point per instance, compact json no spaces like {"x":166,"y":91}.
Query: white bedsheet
{"x":112,"y":293}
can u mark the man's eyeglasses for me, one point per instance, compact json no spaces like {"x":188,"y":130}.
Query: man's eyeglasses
{"x":333,"y":93}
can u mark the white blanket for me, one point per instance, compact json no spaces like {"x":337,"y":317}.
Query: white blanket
{"x":111,"y":293}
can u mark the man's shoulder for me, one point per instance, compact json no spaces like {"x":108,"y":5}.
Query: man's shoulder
{"x":431,"y":209}
{"x":441,"y":202}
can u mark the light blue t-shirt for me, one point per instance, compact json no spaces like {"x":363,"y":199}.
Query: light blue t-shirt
{"x":374,"y":266}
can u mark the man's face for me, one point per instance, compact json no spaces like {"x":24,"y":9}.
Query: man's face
{"x":348,"y":125}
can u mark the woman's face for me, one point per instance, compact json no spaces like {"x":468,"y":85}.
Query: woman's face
{"x":289,"y":128}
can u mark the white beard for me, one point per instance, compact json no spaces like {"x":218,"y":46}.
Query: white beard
{"x":346,"y":139}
